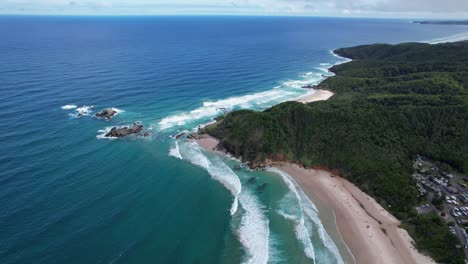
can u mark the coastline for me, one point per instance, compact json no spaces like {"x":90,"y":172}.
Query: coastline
{"x":364,"y":231}
{"x":369,"y":232}
{"x":317,"y":95}
{"x":361,"y":220}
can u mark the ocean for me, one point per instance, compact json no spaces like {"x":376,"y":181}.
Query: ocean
{"x":68,"y":195}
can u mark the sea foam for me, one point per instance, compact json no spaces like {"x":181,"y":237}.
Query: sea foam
{"x":288,"y":90}
{"x":68,"y":107}
{"x":295,"y":213}
{"x":254,"y":231}
{"x":453,"y":38}
{"x":174,"y":151}
{"x":216,"y":168}
{"x":306,"y":211}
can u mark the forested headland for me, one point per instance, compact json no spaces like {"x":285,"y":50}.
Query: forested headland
{"x":391,"y":103}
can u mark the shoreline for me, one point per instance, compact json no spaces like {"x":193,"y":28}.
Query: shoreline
{"x":317,"y":95}
{"x":372,"y":234}
{"x":363,"y":231}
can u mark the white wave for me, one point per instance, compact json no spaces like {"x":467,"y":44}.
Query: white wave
{"x":453,"y":38}
{"x":85,"y":109}
{"x":82,"y":111}
{"x":302,"y":234}
{"x":216,"y":168}
{"x":309,"y":211}
{"x":341,"y":60}
{"x":68,"y":107}
{"x":103,"y":132}
{"x":175,"y":152}
{"x":117,"y":110}
{"x":106,"y":130}
{"x":288,"y":90}
{"x":254,"y":231}
{"x":275,"y":249}
{"x":324,"y":70}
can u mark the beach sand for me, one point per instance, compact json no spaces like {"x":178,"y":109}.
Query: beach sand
{"x":207,"y":142}
{"x":318,"y":95}
{"x":371,"y":233}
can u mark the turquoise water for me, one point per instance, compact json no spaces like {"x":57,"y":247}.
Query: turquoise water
{"x":69,"y":195}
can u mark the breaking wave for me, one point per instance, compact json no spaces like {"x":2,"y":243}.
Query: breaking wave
{"x":288,"y":90}
{"x":306,"y":221}
{"x":295,"y":214}
{"x":254,"y":231}
{"x":453,"y":38}
{"x":68,"y":107}
{"x":174,"y":151}
{"x":82,"y":111}
{"x":103,"y":133}
{"x":191,"y":152}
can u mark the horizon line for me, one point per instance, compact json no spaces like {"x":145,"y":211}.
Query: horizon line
{"x":232,"y":15}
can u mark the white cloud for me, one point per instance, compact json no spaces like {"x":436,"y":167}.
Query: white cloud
{"x":376,"y":8}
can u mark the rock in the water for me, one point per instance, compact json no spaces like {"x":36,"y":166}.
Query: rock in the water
{"x":251,"y":181}
{"x":107,"y":113}
{"x":193,"y":135}
{"x":125,"y":131}
{"x":180,"y":135}
{"x":262,"y":188}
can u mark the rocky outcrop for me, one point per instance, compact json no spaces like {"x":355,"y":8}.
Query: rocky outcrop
{"x":322,"y":86}
{"x":107,"y":113}
{"x":118,"y":132}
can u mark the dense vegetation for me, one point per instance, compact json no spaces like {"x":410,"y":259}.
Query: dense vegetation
{"x":432,"y":226}
{"x":391,"y":103}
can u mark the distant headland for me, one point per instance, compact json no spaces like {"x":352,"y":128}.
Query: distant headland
{"x":443,"y":22}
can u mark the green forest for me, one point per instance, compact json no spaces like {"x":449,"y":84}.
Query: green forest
{"x":391,"y":103}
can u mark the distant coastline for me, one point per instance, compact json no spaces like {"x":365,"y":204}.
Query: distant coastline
{"x":444,"y":22}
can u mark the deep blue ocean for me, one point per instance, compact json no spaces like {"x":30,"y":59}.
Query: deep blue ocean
{"x":70,"y":196}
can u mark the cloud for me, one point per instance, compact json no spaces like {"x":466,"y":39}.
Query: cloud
{"x":375,"y":8}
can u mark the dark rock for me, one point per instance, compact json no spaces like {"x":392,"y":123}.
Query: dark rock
{"x":178,"y":136}
{"x":125,"y":131}
{"x":193,"y":136}
{"x":107,"y":113}
{"x":251,"y":181}
{"x":262,"y":188}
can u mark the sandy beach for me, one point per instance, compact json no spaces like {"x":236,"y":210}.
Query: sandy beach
{"x":318,"y":95}
{"x":371,"y":233}
{"x":207,"y":142}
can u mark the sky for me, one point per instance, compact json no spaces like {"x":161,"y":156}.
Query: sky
{"x":436,"y":9}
